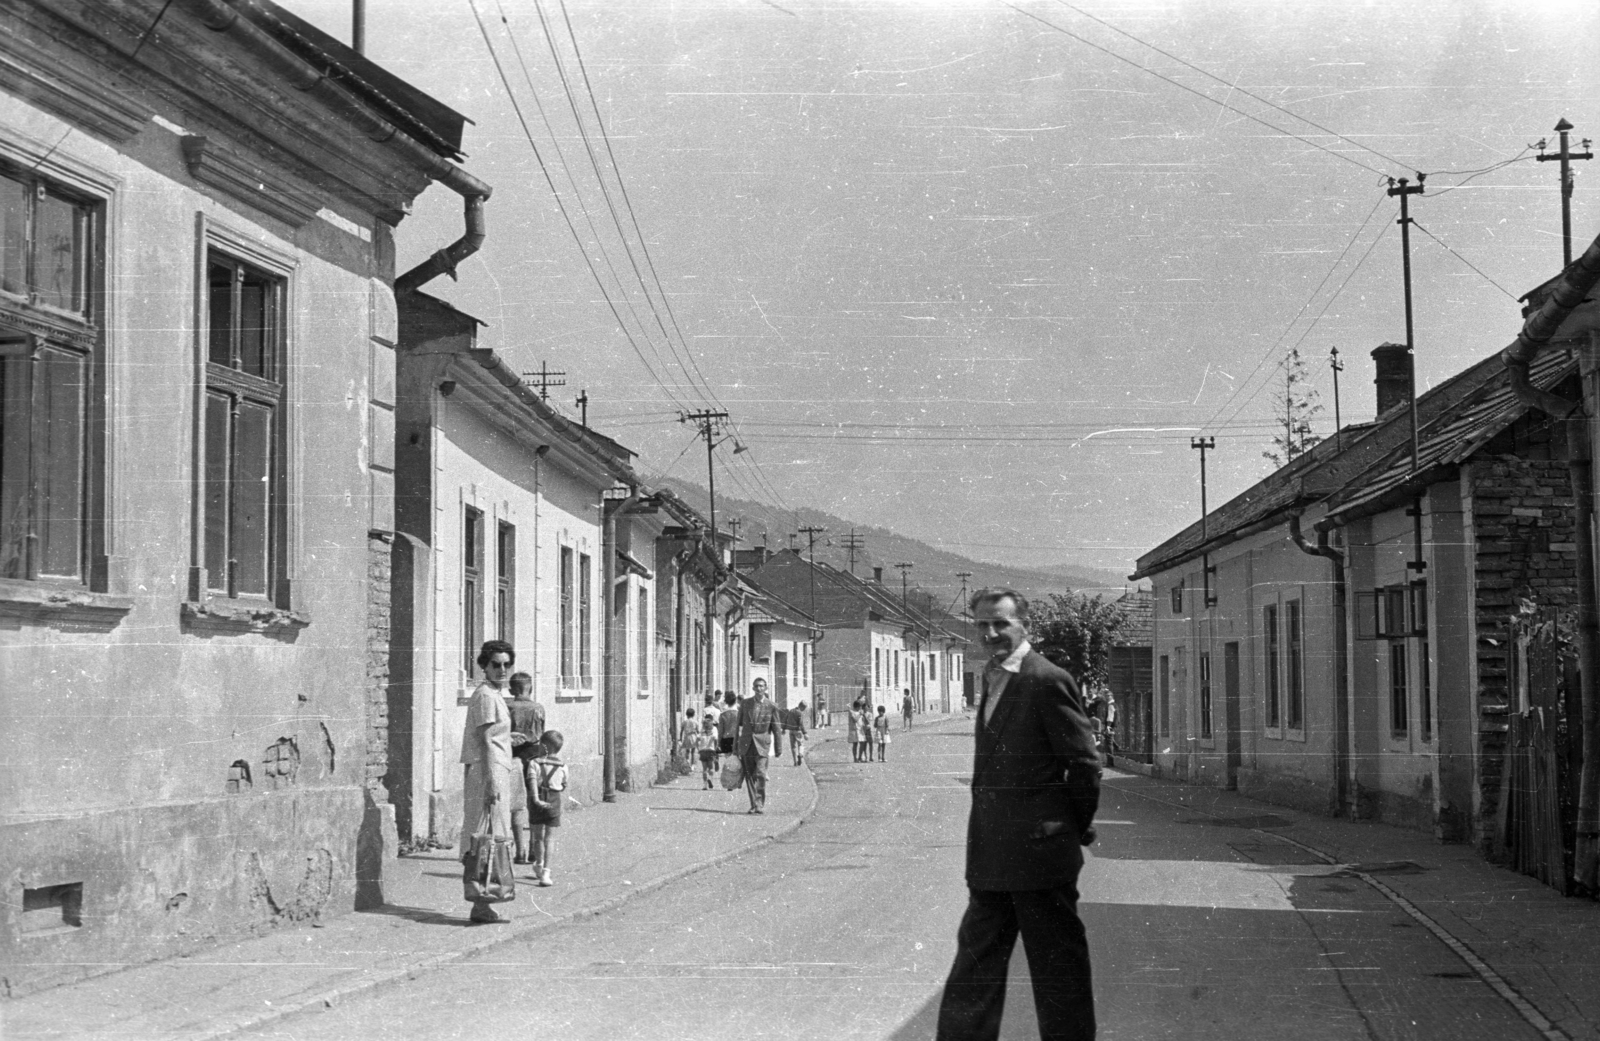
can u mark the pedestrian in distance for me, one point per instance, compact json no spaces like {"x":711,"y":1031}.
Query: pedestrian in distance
{"x":728,"y":725}
{"x":760,"y":734}
{"x":795,"y":728}
{"x":544,"y":803}
{"x":527,"y":723}
{"x":1035,"y":789}
{"x":689,"y":737}
{"x":905,"y":709}
{"x":880,"y":733}
{"x":706,"y":750}
{"x":486,"y":767}
{"x":854,"y":732}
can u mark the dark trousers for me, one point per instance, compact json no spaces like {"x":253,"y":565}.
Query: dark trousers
{"x":1058,"y":961}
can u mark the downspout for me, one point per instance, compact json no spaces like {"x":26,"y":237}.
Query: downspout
{"x":679,"y":627}
{"x":1344,"y":781}
{"x":221,"y":17}
{"x":1576,"y":281}
{"x":613,"y":683}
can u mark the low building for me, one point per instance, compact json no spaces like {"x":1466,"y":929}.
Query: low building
{"x":196,"y":486}
{"x":1130,"y":679}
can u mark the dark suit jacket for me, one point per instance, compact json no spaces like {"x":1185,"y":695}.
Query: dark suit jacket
{"x":1035,"y":783}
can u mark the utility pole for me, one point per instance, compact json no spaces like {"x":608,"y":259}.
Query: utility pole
{"x":1338,"y":426}
{"x":963,"y":575}
{"x":1405,"y":190}
{"x":583,"y":406}
{"x":905,"y":569}
{"x":709,"y":422}
{"x":1565,"y":157}
{"x":853,"y":544}
{"x":544,"y":379}
{"x":811,"y":531}
{"x":1204,"y":444}
{"x":734,"y":526}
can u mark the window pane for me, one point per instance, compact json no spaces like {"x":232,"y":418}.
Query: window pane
{"x":216,"y":490}
{"x":16,"y":441}
{"x":58,"y":255}
{"x":13,"y":236}
{"x":252,"y":465}
{"x":58,"y":451}
{"x":219,"y":280}
{"x":255,"y":325}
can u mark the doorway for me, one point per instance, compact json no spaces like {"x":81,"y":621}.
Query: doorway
{"x":780,"y":678}
{"x":1230,"y":709}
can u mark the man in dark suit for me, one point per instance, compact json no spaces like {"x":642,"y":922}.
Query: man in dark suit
{"x":1035,"y":789}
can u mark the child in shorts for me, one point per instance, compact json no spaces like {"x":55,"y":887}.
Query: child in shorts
{"x":545,"y":796}
{"x":527,"y":723}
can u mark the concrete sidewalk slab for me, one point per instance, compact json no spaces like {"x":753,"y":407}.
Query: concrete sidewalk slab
{"x":1545,"y":947}
{"x":605,"y":855}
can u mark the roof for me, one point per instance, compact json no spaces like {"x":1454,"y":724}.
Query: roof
{"x":1139,"y":605}
{"x":764,"y":605}
{"x":423,"y":117}
{"x":1372,"y":468}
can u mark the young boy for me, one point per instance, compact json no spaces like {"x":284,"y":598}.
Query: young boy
{"x":544,"y":801}
{"x":527,"y":723}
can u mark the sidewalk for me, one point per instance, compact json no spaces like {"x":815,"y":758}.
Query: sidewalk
{"x":1544,"y":947}
{"x":606,"y":854}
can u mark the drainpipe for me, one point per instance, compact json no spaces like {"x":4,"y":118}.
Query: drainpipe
{"x":221,"y":17}
{"x":613,"y":683}
{"x":1576,"y":282}
{"x":679,"y":628}
{"x":1344,"y":760}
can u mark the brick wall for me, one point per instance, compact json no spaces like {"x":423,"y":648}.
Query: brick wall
{"x":379,"y":549}
{"x":1524,"y":534}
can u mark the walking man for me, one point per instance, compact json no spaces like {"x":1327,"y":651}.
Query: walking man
{"x":1035,"y":789}
{"x":759,"y":732}
{"x":905,"y":709}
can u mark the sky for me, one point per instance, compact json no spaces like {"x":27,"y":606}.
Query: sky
{"x":978,"y":271}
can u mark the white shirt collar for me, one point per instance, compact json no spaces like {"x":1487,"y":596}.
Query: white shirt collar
{"x":1013,"y":661}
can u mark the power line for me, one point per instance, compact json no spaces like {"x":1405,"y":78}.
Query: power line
{"x":1234,"y":86}
{"x":1197,"y":93}
{"x":1509,"y":295}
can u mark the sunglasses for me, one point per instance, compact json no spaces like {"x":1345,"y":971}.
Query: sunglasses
{"x":499,"y":665}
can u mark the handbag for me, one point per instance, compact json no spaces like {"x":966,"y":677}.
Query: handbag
{"x":486,"y":876}
{"x":732,"y":773}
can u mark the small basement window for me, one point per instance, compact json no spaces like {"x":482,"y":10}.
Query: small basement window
{"x":52,"y":907}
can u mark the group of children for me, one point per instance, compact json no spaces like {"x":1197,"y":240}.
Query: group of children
{"x":868,"y":732}
{"x":714,"y":733}
{"x":540,"y":782}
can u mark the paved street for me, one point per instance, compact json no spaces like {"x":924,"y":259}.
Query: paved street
{"x":1203,"y":925}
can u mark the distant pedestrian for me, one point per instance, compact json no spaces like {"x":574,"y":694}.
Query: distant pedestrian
{"x":689,"y":737}
{"x":486,"y":767}
{"x":728,"y":725}
{"x":527,"y":723}
{"x":759,"y":731}
{"x":880,"y":733}
{"x":795,"y":729}
{"x":544,"y":802}
{"x":854,"y":732}
{"x":706,"y":750}
{"x":905,"y":709}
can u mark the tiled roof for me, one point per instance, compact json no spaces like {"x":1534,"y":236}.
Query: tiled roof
{"x":1140,"y":607}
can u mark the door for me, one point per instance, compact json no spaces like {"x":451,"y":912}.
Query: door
{"x":1230,"y":710}
{"x":780,"y":677}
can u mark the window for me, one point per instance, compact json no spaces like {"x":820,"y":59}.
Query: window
{"x":1165,"y":705}
{"x":877,"y":667}
{"x":1177,"y":597}
{"x":897,"y":668}
{"x":933,"y":668}
{"x":505,"y":579}
{"x":1399,"y":720}
{"x":471,"y":588}
{"x":1294,"y":637}
{"x":642,"y":641}
{"x":243,"y":452}
{"x":1205,"y":694}
{"x":49,"y":342}
{"x":568,"y":608}
{"x":585,"y":614}
{"x":1269,"y":633}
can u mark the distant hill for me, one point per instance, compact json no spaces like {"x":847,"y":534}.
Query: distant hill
{"x":933,"y":570}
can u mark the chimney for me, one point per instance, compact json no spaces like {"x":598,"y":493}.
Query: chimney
{"x":1394,"y":375}
{"x":877,"y":575}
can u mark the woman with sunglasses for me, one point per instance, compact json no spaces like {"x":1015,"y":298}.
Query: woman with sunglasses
{"x":486,"y":758}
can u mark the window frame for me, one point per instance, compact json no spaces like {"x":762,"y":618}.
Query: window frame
{"x":505,"y":581}
{"x":1205,"y":696}
{"x":279,"y":604}
{"x":585,"y":621}
{"x":1399,"y":689}
{"x":1164,"y":698}
{"x":472,"y":591}
{"x":81,"y":336}
{"x":1294,"y":665}
{"x":642,"y":642}
{"x":1271,"y":654}
{"x":566,"y":615}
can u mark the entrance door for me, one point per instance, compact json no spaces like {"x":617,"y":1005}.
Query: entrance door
{"x":780,"y":678}
{"x":1230,"y":709}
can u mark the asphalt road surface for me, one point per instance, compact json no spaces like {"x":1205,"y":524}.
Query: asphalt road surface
{"x":1201,"y":927}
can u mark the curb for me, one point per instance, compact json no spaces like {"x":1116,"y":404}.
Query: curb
{"x":329,"y":998}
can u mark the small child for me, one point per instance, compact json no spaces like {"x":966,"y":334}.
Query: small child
{"x":705,"y":745}
{"x":544,"y":802}
{"x":527,"y":723}
{"x":880,"y":732}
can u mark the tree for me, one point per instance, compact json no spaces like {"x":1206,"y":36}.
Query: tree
{"x":1076,"y":631}
{"x":1294,"y":408}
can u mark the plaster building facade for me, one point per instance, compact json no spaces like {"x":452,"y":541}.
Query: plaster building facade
{"x":196,"y":332}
